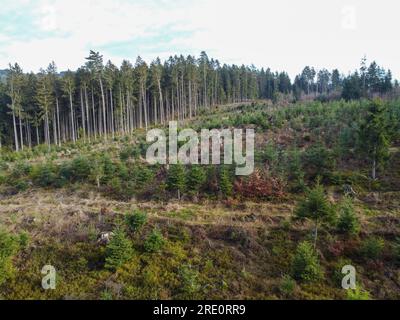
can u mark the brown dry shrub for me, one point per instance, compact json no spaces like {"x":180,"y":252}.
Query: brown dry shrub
{"x":259,"y":186}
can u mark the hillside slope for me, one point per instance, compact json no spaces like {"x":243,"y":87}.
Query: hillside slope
{"x":227,"y":240}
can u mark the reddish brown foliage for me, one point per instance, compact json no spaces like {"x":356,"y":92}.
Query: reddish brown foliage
{"x":259,"y":186}
{"x":336,"y":249}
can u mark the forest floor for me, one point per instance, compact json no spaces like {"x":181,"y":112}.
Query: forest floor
{"x":257,"y":237}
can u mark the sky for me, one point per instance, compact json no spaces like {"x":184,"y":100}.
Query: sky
{"x":284,"y":35}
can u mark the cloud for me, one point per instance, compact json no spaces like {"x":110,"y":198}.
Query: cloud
{"x":283,"y":35}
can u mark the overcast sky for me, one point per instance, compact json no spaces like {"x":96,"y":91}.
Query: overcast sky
{"x":283,"y":35}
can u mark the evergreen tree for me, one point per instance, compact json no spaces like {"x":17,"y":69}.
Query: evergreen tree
{"x":305,"y":266}
{"x":8,"y":248}
{"x":154,"y":242}
{"x":15,"y":80}
{"x":348,"y":222}
{"x":315,"y":207}
{"x":374,"y":135}
{"x":176,"y":179}
{"x":119,"y":100}
{"x":225,"y":182}
{"x":352,"y":87}
{"x":295,"y":170}
{"x":118,"y":251}
{"x":95,"y":65}
{"x":68,"y":86}
{"x":136,"y":220}
{"x":195,"y":179}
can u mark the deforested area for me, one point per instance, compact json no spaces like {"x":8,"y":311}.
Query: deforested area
{"x":191,"y":178}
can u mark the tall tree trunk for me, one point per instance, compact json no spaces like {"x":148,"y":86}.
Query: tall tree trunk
{"x":121,"y":106}
{"x":37,"y":135}
{"x":15,"y":131}
{"x":161,"y":101}
{"x":72,"y":117}
{"x":55,"y":138}
{"x":104,"y":109}
{"x":374,"y":164}
{"x":87,"y":114}
{"x":13,"y":115}
{"x":112,"y":113}
{"x":94,"y":117}
{"x":190,"y":100}
{"x":144,"y":105}
{"x":58,"y":122}
{"x":20,"y":130}
{"x":83,"y":115}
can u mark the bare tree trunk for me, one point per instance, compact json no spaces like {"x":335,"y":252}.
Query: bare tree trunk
{"x":14,"y":121}
{"x":29,"y":135}
{"x":161,"y":101}
{"x":87,"y":114}
{"x":83,"y":116}
{"x":94,"y":117}
{"x":20,"y":130}
{"x":37,"y":135}
{"x":104,"y":109}
{"x":144,"y":105}
{"x":121,"y":105}
{"x":99,"y":118}
{"x":47,"y":129}
{"x":374,"y":165}
{"x":58,"y":122}
{"x":55,"y":129}
{"x":315,"y":234}
{"x":112,"y":114}
{"x":190,"y":100}
{"x":72,"y":117}
{"x":15,"y":132}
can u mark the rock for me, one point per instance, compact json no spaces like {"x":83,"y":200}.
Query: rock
{"x":105,"y":237}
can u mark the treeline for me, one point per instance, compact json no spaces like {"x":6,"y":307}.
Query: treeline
{"x":101,"y":100}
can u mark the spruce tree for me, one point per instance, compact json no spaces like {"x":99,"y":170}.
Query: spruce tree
{"x":118,"y":251}
{"x":316,"y":207}
{"x":305,"y":266}
{"x":195,"y":180}
{"x":374,"y":136}
{"x":348,"y":222}
{"x":176,"y":179}
{"x":225,"y":182}
{"x":8,"y":248}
